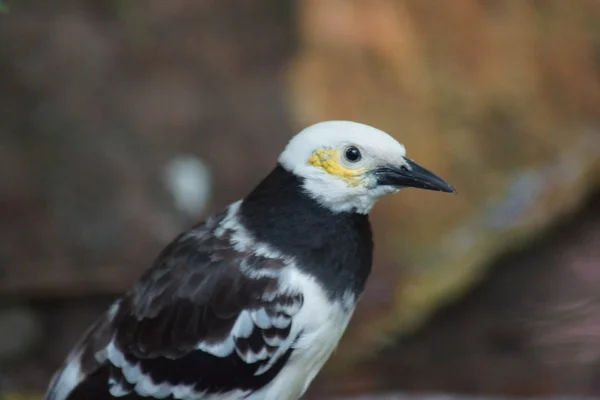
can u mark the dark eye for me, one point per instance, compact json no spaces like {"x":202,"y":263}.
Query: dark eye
{"x":353,"y":154}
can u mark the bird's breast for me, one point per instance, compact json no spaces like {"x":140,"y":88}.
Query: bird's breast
{"x":318,"y":326}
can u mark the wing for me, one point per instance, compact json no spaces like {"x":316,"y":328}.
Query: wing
{"x":205,"y":319}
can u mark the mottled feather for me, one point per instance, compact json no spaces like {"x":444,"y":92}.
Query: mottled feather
{"x":191,"y":323}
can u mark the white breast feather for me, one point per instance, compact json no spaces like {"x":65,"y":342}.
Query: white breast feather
{"x":322,"y":324}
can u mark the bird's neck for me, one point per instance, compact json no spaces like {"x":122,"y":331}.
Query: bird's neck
{"x":335,"y":247}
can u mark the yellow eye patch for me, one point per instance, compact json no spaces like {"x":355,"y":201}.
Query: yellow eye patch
{"x":328,"y":160}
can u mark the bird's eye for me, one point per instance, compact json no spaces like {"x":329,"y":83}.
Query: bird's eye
{"x":353,"y":154}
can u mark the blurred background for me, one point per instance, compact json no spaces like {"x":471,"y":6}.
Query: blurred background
{"x":123,"y":123}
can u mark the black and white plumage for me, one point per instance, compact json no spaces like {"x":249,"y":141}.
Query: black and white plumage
{"x":251,"y":303}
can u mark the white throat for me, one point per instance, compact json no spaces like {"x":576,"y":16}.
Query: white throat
{"x":337,"y":196}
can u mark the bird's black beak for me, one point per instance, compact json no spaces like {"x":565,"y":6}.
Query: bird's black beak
{"x":412,"y":175}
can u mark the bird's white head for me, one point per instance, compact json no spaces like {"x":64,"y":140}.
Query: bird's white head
{"x":348,"y":166}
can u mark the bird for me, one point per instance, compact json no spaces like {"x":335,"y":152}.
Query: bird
{"x":251,"y":302}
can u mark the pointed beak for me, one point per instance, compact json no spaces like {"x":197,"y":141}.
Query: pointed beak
{"x":411,"y":174}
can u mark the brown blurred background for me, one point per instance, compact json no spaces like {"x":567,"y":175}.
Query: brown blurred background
{"x":122,"y":123}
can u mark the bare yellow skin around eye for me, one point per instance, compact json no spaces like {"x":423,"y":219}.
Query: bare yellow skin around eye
{"x":327,"y":159}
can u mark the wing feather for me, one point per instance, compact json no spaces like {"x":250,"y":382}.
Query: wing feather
{"x":206,"y":318}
